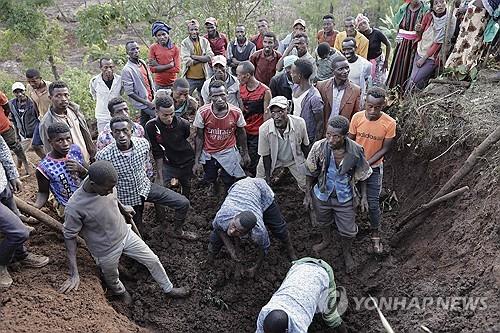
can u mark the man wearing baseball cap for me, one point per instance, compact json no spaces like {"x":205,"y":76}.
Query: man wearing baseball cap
{"x":299,"y":25}
{"x":218,"y":40}
{"x":279,"y":139}
{"x":25,"y":116}
{"x":9,"y":134}
{"x":219,"y":64}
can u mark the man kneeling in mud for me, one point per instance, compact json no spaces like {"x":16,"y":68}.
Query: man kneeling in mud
{"x":308,"y":288}
{"x":95,"y":213}
{"x":247,"y":210}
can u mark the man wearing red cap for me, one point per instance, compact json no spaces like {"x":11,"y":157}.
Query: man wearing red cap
{"x":218,"y":40}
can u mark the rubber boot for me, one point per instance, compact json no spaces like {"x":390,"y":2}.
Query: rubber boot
{"x":289,"y":248}
{"x":326,"y":235}
{"x":346,"y":243}
{"x":5,"y":279}
{"x":181,"y":292}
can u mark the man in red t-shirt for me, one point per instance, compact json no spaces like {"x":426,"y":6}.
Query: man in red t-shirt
{"x":8,"y":133}
{"x":164,"y":56}
{"x":218,"y":40}
{"x":219,"y":126}
{"x":255,"y":97}
{"x":265,"y":60}
{"x":328,"y":34}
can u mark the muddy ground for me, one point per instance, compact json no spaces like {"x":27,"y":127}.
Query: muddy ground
{"x":455,"y":253}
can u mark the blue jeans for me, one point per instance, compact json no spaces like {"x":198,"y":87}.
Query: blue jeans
{"x":373,"y":187}
{"x":211,"y":169}
{"x":14,"y":231}
{"x":273,"y":220}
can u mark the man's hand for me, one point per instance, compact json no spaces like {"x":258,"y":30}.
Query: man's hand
{"x":74,"y":167}
{"x":72,"y":283}
{"x":418,"y":27}
{"x":198,"y":169}
{"x":421,"y":62}
{"x":15,"y":185}
{"x":364,"y":204}
{"x":308,"y":201}
{"x":245,"y":159}
{"x":150,"y":105}
{"x":129,"y":213}
{"x":153,"y":62}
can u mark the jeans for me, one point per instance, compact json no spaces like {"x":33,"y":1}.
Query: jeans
{"x":165,"y":197}
{"x":146,"y":115}
{"x":211,"y":169}
{"x":273,"y":220}
{"x":253,"y":146}
{"x":37,"y":139}
{"x":373,"y":187}
{"x":134,"y":247}
{"x":14,"y":231}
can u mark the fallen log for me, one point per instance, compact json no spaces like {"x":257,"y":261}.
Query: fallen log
{"x":431,"y":204}
{"x":48,"y":220}
{"x":409,"y":225}
{"x":469,"y":163}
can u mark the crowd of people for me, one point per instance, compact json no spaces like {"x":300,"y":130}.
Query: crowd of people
{"x":237,"y":114}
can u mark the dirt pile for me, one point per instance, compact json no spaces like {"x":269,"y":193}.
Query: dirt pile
{"x":455,"y":253}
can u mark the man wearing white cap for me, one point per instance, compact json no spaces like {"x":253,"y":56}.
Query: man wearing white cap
{"x":218,"y":40}
{"x":279,"y":140}
{"x":25,"y":116}
{"x":281,"y":84}
{"x":8,"y":132}
{"x":219,"y":64}
{"x":299,"y":25}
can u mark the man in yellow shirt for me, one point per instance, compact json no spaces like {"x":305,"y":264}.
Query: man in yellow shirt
{"x":350,"y":31}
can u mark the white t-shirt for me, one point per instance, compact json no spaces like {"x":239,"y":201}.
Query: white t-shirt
{"x":297,"y":103}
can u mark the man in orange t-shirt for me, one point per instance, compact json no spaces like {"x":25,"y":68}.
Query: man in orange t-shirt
{"x":164,"y":56}
{"x":9,"y":134}
{"x":375,"y":131}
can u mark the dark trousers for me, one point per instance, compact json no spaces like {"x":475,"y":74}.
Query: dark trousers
{"x":211,"y":168}
{"x":273,"y":220}
{"x":11,"y":140}
{"x":373,"y":186}
{"x":195,"y":84}
{"x":253,"y":146}
{"x":14,"y":231}
{"x":165,"y":197}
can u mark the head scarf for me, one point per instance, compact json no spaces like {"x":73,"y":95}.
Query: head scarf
{"x":360,"y":18}
{"x":160,"y":26}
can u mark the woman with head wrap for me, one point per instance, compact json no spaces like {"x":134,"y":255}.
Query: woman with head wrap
{"x":375,"y":38}
{"x":164,"y":56}
{"x":409,"y":15}
{"x":430,"y":38}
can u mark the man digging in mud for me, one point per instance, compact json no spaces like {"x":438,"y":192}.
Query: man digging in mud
{"x":309,"y":288}
{"x":95,"y":212}
{"x":336,"y":163}
{"x":247,"y":210}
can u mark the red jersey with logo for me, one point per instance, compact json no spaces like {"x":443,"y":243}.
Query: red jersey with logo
{"x":253,"y":107}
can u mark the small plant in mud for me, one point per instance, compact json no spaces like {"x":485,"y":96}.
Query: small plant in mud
{"x":210,"y":299}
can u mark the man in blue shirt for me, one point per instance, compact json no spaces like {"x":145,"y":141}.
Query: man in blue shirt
{"x":335,"y":164}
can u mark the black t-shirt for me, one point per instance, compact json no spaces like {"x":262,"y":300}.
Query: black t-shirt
{"x":109,"y":83}
{"x":375,"y":47}
{"x":170,"y":142}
